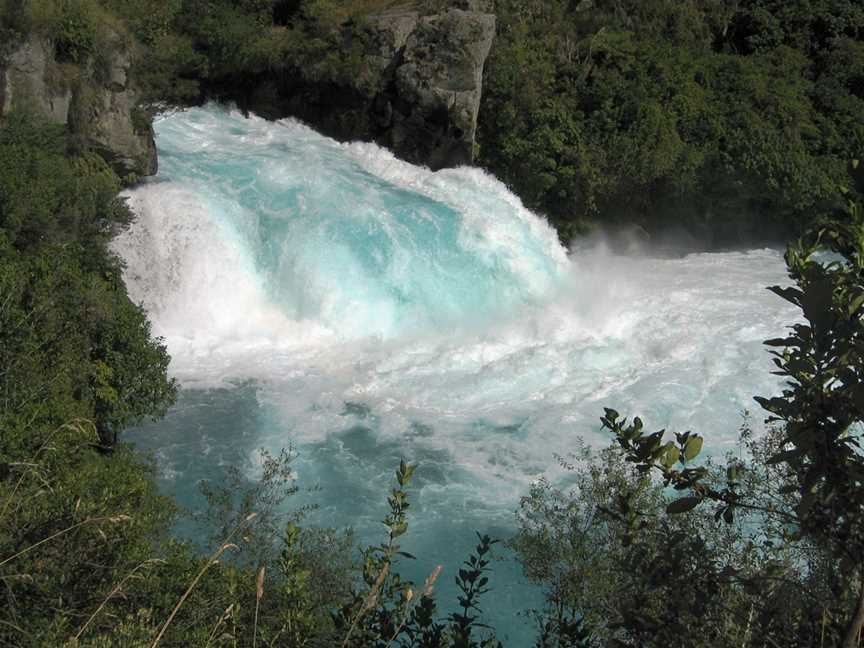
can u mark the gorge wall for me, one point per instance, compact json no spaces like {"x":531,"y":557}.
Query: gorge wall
{"x":96,"y":102}
{"x":414,"y":86}
{"x":417,"y":88}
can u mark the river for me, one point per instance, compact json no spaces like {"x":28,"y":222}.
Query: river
{"x":359,"y":309}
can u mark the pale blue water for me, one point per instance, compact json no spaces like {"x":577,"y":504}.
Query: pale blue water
{"x":361,"y":309}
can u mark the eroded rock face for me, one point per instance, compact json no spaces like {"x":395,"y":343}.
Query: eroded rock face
{"x":26,"y":80}
{"x":418,"y":92}
{"x":438,"y":87}
{"x":101,"y":112}
{"x":111,"y":125}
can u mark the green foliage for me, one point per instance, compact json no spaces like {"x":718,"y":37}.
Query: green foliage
{"x":79,"y":364}
{"x":85,"y":552}
{"x":733,"y":120}
{"x":805,"y":25}
{"x":75,"y":346}
{"x":46,"y":196}
{"x":379,"y":611}
{"x":58,"y":552}
{"x":233,"y":498}
{"x":21,"y":17}
{"x":75,"y":36}
{"x":472,"y":581}
{"x":656,"y":112}
{"x":717,"y":114}
{"x":611,"y":557}
{"x":389,"y":611}
{"x":148,"y":22}
{"x":822,"y":408}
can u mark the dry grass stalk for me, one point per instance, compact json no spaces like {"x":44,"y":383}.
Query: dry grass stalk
{"x":115,"y":519}
{"x":430,"y":580}
{"x":210,"y":562}
{"x":259,"y":593}
{"x":368,"y":602}
{"x":17,"y":629}
{"x":219,"y":623}
{"x":409,"y":596}
{"x":115,"y":591}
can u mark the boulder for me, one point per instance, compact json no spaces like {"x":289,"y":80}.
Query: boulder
{"x":112,"y":126}
{"x":30,"y":78}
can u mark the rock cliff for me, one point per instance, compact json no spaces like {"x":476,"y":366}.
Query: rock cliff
{"x":413,"y":85}
{"x":100,"y":108}
{"x":417,"y":91}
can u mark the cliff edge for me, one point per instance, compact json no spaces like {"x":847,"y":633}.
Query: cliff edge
{"x":96,"y":101}
{"x":416,"y":91}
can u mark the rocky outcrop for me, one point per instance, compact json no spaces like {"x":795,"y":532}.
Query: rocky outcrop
{"x":412,"y":83}
{"x":101,"y":109}
{"x":28,"y":79}
{"x":417,"y":91}
{"x":438,"y":86}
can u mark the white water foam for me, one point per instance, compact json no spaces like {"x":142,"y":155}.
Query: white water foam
{"x":382,"y":310}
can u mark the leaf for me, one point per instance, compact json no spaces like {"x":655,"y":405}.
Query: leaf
{"x":856,"y":304}
{"x":816,"y":303}
{"x":774,"y":405}
{"x":683,"y":505}
{"x":858,"y":396}
{"x":792,"y":295}
{"x":669,"y":456}
{"x":692,"y":448}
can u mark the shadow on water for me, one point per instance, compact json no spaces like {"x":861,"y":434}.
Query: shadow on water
{"x":346,"y":477}
{"x":206,"y":432}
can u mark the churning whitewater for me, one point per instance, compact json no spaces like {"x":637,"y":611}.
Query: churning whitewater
{"x":331,"y":298}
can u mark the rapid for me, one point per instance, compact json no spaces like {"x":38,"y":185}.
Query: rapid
{"x":359,"y":309}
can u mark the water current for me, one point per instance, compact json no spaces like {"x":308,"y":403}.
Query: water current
{"x":360,"y":309}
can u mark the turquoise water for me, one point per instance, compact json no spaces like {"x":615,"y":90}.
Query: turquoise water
{"x":360,"y":309}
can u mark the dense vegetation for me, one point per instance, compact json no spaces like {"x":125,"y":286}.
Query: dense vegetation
{"x":732,"y":114}
{"x":731,"y":118}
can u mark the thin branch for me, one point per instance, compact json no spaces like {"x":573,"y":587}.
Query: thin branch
{"x":210,"y":562}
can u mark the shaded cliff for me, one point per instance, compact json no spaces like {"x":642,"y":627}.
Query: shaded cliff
{"x":94,"y":100}
{"x":415,"y":89}
{"x":408,"y":77}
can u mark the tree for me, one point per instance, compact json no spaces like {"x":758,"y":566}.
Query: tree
{"x":609,"y":555}
{"x":822,"y":407}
